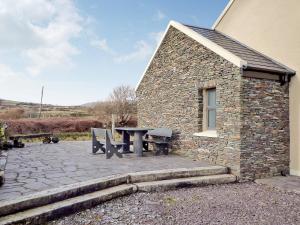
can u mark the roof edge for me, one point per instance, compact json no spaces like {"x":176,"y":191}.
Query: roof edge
{"x":210,"y":44}
{"x":222,"y":14}
{"x":157,"y":47}
{"x":290,"y":70}
{"x":200,"y":39}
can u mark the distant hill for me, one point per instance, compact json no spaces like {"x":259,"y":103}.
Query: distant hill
{"x":90,"y":104}
{"x":11,"y":103}
{"x":31,"y":110}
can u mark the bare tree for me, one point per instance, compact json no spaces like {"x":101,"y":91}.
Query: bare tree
{"x":121,"y":102}
{"x":103,"y":111}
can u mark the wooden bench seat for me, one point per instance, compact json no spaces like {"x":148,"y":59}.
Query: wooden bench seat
{"x":160,"y":137}
{"x":102,"y":140}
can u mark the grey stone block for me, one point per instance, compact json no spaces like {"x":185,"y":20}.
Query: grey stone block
{"x":58,"y":194}
{"x":175,"y":173}
{"x":44,"y":213}
{"x":166,"y":185}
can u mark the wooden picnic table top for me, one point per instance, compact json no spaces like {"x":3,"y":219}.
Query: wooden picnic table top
{"x":133,"y":129}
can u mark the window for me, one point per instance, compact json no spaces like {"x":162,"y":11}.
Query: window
{"x":207,"y":112}
{"x":211,"y":109}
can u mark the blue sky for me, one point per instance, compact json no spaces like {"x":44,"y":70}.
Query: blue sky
{"x":81,"y":49}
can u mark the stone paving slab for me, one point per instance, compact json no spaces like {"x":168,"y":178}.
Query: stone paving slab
{"x":40,"y":167}
{"x":288,"y":183}
{"x":3,"y":160}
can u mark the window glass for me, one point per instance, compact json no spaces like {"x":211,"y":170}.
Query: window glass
{"x":211,"y":118}
{"x":211,"y":108}
{"x":211,"y":94}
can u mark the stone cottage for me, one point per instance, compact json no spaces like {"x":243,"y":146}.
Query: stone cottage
{"x":226,"y":103}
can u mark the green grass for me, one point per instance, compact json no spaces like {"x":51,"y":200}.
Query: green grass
{"x":70,"y":136}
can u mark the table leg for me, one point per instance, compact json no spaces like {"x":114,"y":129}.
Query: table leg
{"x":126,"y":140}
{"x":138,"y":143}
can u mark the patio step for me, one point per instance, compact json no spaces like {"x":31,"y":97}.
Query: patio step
{"x":69,"y":191}
{"x":45,"y":213}
{"x":53,"y":203}
{"x":40,"y":215}
{"x":167,"y":174}
{"x":166,"y":185}
{"x":58,"y":194}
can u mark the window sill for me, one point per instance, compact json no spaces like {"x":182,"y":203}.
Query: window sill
{"x":207,"y":133}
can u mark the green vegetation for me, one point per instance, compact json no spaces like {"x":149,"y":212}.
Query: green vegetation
{"x":70,"y":122}
{"x":70,"y":136}
{"x":16,"y":110}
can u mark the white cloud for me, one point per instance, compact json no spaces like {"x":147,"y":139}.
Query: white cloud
{"x":142,"y":50}
{"x":41,"y":31}
{"x":159,"y":15}
{"x":157,"y":36}
{"x":102,"y":45}
{"x":44,"y":57}
{"x":6,"y":73}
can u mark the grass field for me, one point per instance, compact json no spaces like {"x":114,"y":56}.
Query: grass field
{"x":31,"y":110}
{"x":69,"y":123}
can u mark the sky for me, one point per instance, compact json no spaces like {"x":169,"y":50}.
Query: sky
{"x":79,"y":50}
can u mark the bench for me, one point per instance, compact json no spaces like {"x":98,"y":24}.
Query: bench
{"x":160,"y":137}
{"x":47,"y":138}
{"x":102,"y":140}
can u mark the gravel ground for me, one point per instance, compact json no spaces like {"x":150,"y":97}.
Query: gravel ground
{"x":246,"y":203}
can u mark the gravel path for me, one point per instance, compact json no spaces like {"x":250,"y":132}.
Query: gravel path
{"x":246,"y":203}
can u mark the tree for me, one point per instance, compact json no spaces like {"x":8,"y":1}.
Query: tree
{"x":121,"y":102}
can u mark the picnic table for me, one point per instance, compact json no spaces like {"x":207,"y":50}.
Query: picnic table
{"x":138,"y":134}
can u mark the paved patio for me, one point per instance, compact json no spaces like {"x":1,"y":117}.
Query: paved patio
{"x":43,"y":166}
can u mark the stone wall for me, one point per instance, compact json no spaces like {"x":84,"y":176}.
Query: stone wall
{"x":168,"y":96}
{"x":265,"y":128}
{"x":252,"y":114}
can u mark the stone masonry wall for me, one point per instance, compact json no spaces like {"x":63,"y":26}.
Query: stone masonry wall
{"x":252,"y":114}
{"x":168,"y":96}
{"x":265,"y":128}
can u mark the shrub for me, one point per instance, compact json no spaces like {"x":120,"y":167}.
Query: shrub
{"x":55,"y":125}
{"x":12,"y":113}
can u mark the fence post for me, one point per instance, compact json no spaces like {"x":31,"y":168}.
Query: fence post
{"x":113,"y":125}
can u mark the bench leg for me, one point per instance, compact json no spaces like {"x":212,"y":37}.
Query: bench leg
{"x":164,"y":148}
{"x":146,"y":146}
{"x":111,"y":150}
{"x":98,"y":146}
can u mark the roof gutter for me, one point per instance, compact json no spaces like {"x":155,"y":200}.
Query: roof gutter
{"x":283,"y":76}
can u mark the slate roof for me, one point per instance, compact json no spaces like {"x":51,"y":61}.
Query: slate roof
{"x":254,"y":59}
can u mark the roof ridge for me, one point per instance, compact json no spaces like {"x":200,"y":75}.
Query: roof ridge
{"x":188,"y":25}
